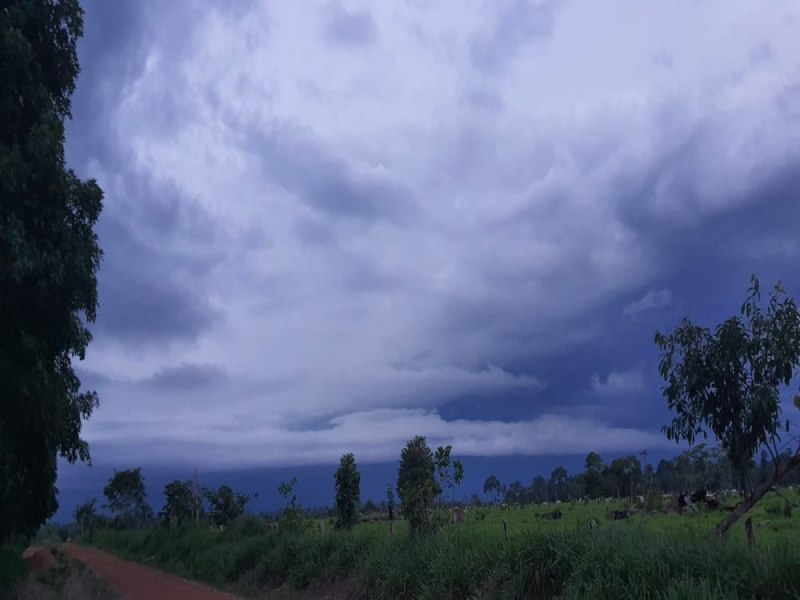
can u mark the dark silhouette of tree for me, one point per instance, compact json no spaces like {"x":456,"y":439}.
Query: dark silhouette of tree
{"x":348,"y":492}
{"x":125,"y":497}
{"x":728,"y":383}
{"x":178,"y":503}
{"x":48,"y":261}
{"x":224,"y":505}
{"x":492,"y":487}
{"x":416,"y":485}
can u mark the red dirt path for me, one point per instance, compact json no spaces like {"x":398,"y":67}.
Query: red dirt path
{"x":138,"y":582}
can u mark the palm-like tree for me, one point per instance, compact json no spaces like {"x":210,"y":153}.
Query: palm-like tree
{"x":492,"y":486}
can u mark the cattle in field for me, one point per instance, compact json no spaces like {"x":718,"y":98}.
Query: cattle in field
{"x":618,"y":515}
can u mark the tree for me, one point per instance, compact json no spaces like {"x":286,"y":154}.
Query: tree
{"x":515,"y":493}
{"x":126,"y":498}
{"x":348,"y":492}
{"x":447,"y":479}
{"x":728,"y":383}
{"x":416,"y":486}
{"x":594,"y":475}
{"x":492,"y":486}
{"x":178,"y":503}
{"x":390,"y":501}
{"x":48,"y":261}
{"x":224,"y":505}
{"x":559,"y":478}
{"x":85,"y":515}
{"x":539,"y":489}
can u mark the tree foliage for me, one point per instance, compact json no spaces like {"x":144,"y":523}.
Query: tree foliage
{"x":179,"y":503}
{"x":416,"y":485}
{"x":728,"y":382}
{"x":85,"y":515}
{"x":48,"y":261}
{"x":125,"y":495}
{"x":448,"y":476}
{"x":348,"y":492}
{"x":492,"y":486}
{"x":224,"y":505}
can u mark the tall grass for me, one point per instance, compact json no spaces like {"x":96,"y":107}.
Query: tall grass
{"x":12,"y":567}
{"x":620,"y":560}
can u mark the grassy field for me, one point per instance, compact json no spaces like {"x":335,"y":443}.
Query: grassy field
{"x":646,"y":556}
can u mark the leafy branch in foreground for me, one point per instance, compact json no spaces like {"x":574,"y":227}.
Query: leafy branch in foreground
{"x":728,"y":383}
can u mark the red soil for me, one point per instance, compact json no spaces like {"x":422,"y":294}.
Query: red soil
{"x":137,"y":582}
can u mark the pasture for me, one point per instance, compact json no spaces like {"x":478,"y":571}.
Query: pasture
{"x":646,"y":556}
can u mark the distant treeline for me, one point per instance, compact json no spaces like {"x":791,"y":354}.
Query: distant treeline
{"x":698,"y":468}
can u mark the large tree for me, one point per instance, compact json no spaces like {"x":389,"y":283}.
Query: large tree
{"x":48,"y":261}
{"x":728,"y":383}
{"x":348,"y":492}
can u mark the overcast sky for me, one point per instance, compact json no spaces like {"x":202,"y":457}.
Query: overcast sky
{"x":330,"y":226}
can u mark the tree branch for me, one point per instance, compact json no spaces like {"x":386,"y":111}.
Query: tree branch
{"x":752,"y":499}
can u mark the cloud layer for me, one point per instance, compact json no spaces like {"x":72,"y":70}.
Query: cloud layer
{"x":330,"y":227}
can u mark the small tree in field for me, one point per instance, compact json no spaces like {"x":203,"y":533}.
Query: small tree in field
{"x":348,"y":492}
{"x":728,"y":382}
{"x":85,"y":515}
{"x":492,"y":486}
{"x":447,"y":479}
{"x":126,"y":497}
{"x":416,"y":485}
{"x":224,"y":505}
{"x":178,"y":503}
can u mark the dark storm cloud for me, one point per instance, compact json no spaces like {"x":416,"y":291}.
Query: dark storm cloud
{"x":326,"y":182}
{"x":517,"y":23}
{"x":187,"y":376}
{"x":428,"y":236}
{"x":356,"y":28}
{"x":145,"y":221}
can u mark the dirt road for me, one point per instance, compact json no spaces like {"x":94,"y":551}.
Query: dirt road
{"x":137,"y":582}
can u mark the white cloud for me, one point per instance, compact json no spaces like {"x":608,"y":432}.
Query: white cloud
{"x":652,"y":300}
{"x":619,"y":382}
{"x":374,"y":436}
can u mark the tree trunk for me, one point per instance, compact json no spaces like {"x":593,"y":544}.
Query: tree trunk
{"x":750,"y":501}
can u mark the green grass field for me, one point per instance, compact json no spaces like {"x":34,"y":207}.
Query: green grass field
{"x":646,"y":556}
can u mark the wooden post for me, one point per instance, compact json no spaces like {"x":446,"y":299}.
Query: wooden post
{"x":751,"y":536}
{"x":505,"y":529}
{"x":391,"y":527}
{"x":322,"y":527}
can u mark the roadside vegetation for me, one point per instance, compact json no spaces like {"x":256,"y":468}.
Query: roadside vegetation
{"x":582,"y":555}
{"x":614,"y":530}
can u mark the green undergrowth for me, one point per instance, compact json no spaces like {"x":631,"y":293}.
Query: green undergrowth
{"x":629,"y":559}
{"x":12,"y":567}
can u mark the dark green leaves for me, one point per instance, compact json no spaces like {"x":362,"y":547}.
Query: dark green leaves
{"x":348,"y":492}
{"x":727,"y":382}
{"x":48,"y":261}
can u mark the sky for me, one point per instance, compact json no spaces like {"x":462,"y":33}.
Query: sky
{"x":330,"y":226}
